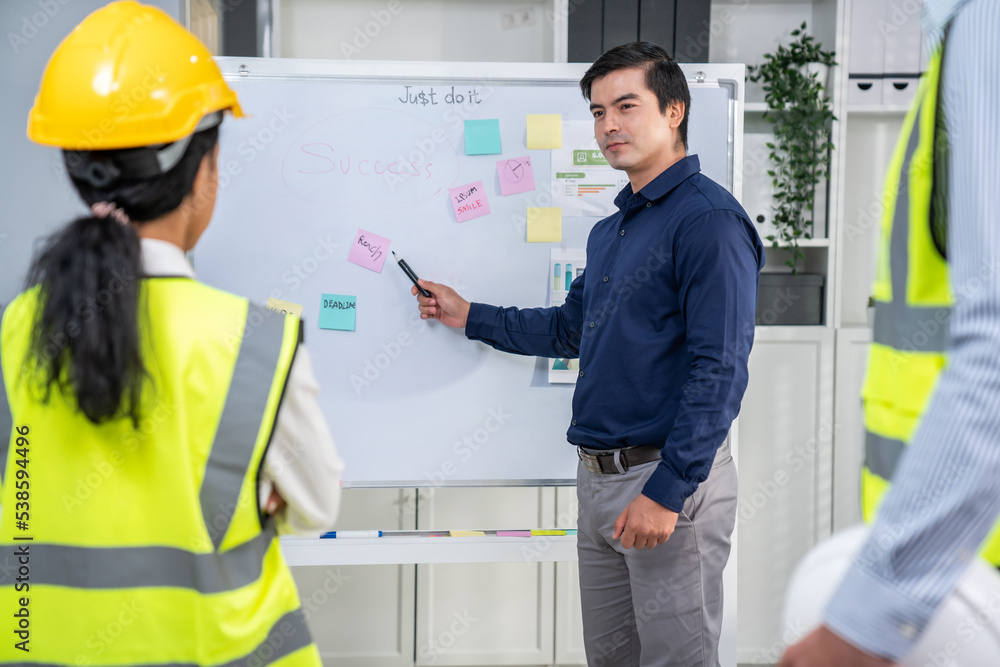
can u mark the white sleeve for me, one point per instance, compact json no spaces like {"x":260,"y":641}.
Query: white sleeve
{"x":302,"y":462}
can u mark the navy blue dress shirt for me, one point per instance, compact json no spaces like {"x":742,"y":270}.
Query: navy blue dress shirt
{"x":662,"y":319}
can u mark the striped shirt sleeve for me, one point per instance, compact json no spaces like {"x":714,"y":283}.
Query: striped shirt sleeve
{"x":946,"y":495}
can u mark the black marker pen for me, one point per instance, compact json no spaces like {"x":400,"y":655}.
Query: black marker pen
{"x":410,"y":274}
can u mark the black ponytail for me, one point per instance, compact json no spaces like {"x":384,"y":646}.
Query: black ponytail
{"x":86,"y":340}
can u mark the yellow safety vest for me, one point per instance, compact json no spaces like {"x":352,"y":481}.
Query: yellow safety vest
{"x":913,"y":299}
{"x":138,"y":546}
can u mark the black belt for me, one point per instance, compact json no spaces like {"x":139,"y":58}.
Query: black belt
{"x":617,"y":461}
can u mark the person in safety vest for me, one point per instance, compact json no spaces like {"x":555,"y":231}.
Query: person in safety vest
{"x":933,"y":382}
{"x":161,"y":432}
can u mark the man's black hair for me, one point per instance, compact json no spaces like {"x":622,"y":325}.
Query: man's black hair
{"x":663,"y":75}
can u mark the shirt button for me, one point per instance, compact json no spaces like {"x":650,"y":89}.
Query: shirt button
{"x":908,"y":631}
{"x":648,"y":204}
{"x":574,"y":422}
{"x":581,"y":373}
{"x":605,"y":279}
{"x":621,"y":233}
{"x":592,"y":324}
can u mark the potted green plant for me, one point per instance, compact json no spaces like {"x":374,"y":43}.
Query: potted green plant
{"x":799,"y":112}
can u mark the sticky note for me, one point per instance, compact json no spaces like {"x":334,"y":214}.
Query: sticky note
{"x":469,"y":201}
{"x":516,"y":175}
{"x":544,"y":130}
{"x":466,"y":533}
{"x":548,"y":532}
{"x":369,"y":250}
{"x":544,"y":225}
{"x":283,"y":307}
{"x":482,"y":137}
{"x":513,"y":533}
{"x":338,"y":311}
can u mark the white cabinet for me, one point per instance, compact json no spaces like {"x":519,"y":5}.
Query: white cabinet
{"x":786,"y":432}
{"x":363,"y":615}
{"x":849,"y":446}
{"x":486,"y":613}
{"x":569,"y":617}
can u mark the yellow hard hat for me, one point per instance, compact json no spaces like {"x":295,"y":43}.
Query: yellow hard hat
{"x":128,"y":76}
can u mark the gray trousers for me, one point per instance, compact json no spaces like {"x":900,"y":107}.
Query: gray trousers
{"x":654,"y":607}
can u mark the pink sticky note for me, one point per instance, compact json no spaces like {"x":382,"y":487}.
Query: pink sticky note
{"x":515,"y":175}
{"x":469,"y":201}
{"x":369,"y":250}
{"x":513,"y":533}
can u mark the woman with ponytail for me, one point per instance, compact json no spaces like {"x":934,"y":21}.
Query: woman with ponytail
{"x":161,"y":432}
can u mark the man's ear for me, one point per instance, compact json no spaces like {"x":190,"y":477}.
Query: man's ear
{"x":675,"y":114}
{"x":207,"y":179}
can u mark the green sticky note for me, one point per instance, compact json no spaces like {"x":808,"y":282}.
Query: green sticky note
{"x":338,"y":311}
{"x":482,"y":137}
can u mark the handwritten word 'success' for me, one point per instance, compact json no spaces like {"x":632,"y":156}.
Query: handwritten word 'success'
{"x":425,"y":96}
{"x":462,"y":196}
{"x":340,"y":305}
{"x":347,"y":165}
{"x":376,"y":251}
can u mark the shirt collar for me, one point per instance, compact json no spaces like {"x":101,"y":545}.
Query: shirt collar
{"x":936,"y":15}
{"x":162,"y":258}
{"x":661,"y":186}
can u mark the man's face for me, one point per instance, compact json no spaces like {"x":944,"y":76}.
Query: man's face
{"x":632,"y":133}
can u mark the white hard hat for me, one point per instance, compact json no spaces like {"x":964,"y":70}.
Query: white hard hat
{"x":964,"y":632}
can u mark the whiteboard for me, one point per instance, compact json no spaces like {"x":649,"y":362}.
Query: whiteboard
{"x":411,"y":402}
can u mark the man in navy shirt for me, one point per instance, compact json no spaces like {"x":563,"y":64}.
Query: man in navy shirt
{"x":662,"y":320}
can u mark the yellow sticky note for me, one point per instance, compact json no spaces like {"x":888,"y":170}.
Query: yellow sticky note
{"x":545,"y":225}
{"x":548,"y":532}
{"x":466,"y":533}
{"x":544,"y":130}
{"x":285,"y":307}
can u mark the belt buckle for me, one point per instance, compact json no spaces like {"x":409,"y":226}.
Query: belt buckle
{"x":590,"y":461}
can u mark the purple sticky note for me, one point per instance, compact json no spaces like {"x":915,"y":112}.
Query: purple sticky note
{"x":515,"y":175}
{"x":369,"y":250}
{"x":469,"y":201}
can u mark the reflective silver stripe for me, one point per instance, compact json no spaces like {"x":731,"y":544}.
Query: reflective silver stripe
{"x":6,"y":421}
{"x":911,"y":329}
{"x":241,"y":418}
{"x":288,"y":634}
{"x":882,"y":454}
{"x":143,"y":567}
{"x":899,"y":252}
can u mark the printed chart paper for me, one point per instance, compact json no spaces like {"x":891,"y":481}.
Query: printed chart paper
{"x":584,"y":183}
{"x":565,"y":264}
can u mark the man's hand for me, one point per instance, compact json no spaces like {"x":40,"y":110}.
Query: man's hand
{"x":822,"y":648}
{"x":444,"y":304}
{"x":275,"y":503}
{"x":644,"y":524}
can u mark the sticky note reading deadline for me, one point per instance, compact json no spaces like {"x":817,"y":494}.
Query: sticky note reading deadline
{"x":482,"y":137}
{"x":544,"y":225}
{"x":516,"y":175}
{"x":338,"y":312}
{"x":283,"y":307}
{"x":544,"y":130}
{"x":469,"y":201}
{"x":369,"y":250}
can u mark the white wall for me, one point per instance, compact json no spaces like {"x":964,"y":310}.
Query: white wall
{"x":449,"y":30}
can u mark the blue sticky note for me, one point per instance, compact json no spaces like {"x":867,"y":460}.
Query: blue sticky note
{"x":482,"y":137}
{"x":337,"y":311}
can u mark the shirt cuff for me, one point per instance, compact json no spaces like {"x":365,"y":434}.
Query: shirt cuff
{"x":666,"y":488}
{"x":872,"y":614}
{"x":481,"y":321}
